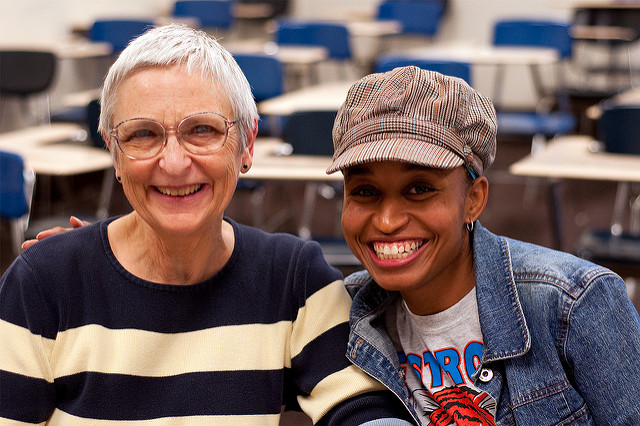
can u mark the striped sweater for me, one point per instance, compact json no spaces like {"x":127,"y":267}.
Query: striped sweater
{"x":86,"y":342}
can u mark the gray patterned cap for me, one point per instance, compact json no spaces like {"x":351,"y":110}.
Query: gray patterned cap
{"x":416,"y":116}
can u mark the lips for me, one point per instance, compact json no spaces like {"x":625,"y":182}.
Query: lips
{"x":396,"y":250}
{"x":179,"y":192}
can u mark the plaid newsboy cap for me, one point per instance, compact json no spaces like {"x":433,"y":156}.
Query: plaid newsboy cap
{"x":416,"y":116}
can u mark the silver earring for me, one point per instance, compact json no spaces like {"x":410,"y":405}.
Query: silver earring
{"x":470,"y":226}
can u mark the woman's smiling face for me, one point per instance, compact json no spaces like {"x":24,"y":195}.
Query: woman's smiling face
{"x":177,"y":191}
{"x":406,"y":223}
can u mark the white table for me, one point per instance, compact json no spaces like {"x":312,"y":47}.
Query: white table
{"x":579,"y":157}
{"x":49,"y":150}
{"x":321,"y":97}
{"x":488,"y":55}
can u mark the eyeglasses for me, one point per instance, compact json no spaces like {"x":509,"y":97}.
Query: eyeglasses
{"x":200,"y":133}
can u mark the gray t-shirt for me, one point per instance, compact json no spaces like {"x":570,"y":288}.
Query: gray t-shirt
{"x":439,"y":353}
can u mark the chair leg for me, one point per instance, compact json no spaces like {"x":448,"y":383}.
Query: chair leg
{"x":310,"y":191}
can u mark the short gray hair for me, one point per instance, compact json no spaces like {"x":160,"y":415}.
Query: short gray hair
{"x":177,"y":44}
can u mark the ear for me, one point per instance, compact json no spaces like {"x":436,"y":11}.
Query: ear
{"x":477,"y":196}
{"x":247,"y":154}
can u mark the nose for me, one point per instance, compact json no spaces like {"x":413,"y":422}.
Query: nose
{"x":174,"y":159}
{"x":391,"y":216}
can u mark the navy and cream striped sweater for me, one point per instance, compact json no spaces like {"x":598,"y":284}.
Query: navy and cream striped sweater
{"x":85,"y":341}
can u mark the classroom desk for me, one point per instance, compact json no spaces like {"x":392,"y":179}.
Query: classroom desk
{"x":488,"y":55}
{"x":294,"y":58}
{"x":579,"y":157}
{"x":322,"y":97}
{"x":49,"y":150}
{"x":270,"y":164}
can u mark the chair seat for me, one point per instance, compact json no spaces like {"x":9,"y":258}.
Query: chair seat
{"x":531,"y":123}
{"x":602,"y":246}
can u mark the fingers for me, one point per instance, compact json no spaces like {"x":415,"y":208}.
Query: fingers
{"x":75,"y":224}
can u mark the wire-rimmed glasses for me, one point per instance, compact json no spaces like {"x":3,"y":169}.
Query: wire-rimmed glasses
{"x":200,"y":133}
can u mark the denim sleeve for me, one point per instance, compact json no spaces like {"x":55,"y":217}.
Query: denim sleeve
{"x":603,"y":347}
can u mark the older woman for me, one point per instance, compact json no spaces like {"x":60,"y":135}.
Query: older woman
{"x":465,"y":326}
{"x":173,"y":314}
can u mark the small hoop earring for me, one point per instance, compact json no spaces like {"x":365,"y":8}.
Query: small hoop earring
{"x":470,"y":226}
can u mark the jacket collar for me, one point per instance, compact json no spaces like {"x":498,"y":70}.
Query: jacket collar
{"x":504,"y":327}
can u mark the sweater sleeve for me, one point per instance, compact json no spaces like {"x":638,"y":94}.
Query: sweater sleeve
{"x":26,"y":381}
{"x":332,"y":391}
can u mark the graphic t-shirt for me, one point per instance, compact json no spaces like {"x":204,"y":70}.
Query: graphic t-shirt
{"x":439,"y":353}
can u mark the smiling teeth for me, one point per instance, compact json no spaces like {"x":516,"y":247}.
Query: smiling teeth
{"x":179,"y":192}
{"x":396,"y":250}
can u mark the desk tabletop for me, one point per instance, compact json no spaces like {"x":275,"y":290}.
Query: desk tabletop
{"x":321,"y":97}
{"x":287,"y":54}
{"x":485,"y":54}
{"x":573,"y":157}
{"x":49,"y":150}
{"x":268,"y":165}
{"x":69,"y":49}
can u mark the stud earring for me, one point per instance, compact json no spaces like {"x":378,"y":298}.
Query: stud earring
{"x":245,"y":167}
{"x":118,"y":178}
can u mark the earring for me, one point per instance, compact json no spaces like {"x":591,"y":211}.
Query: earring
{"x":470,"y":226}
{"x":245,"y":167}
{"x":118,"y":178}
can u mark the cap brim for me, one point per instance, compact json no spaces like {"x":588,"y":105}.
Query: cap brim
{"x":413,"y":151}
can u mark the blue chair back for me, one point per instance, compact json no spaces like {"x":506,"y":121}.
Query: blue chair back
{"x":118,"y":32}
{"x":453,"y":68}
{"x":13,"y":200}
{"x":264,"y":73}
{"x":309,"y":132}
{"x":210,"y":13}
{"x":334,"y":37}
{"x":619,"y":129}
{"x":534,"y":33}
{"x":417,"y":17}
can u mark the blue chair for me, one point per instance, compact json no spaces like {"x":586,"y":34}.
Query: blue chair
{"x":16,"y":191}
{"x":334,"y":37}
{"x":541,"y":123}
{"x":210,"y":13}
{"x":266,"y":76}
{"x":417,"y":16}
{"x":118,"y":32}
{"x":536,"y":33}
{"x":453,"y":68}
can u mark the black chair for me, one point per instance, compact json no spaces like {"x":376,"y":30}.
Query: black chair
{"x":25,"y":74}
{"x":309,"y":133}
{"x":619,"y":132}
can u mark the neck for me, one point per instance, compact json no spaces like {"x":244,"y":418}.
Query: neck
{"x":445,"y":290}
{"x":170,"y":259}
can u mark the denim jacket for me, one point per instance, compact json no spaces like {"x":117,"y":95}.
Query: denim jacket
{"x":561,"y":337}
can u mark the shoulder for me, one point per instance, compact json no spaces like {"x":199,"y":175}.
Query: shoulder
{"x":533,"y":264}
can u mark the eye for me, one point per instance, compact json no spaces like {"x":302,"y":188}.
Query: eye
{"x":141,"y":134}
{"x":364,"y":191}
{"x":419,"y":189}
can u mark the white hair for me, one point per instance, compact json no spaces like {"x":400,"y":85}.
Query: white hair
{"x":177,"y":44}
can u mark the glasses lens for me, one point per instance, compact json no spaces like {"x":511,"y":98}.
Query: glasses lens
{"x":140,"y":138}
{"x":203,"y":133}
